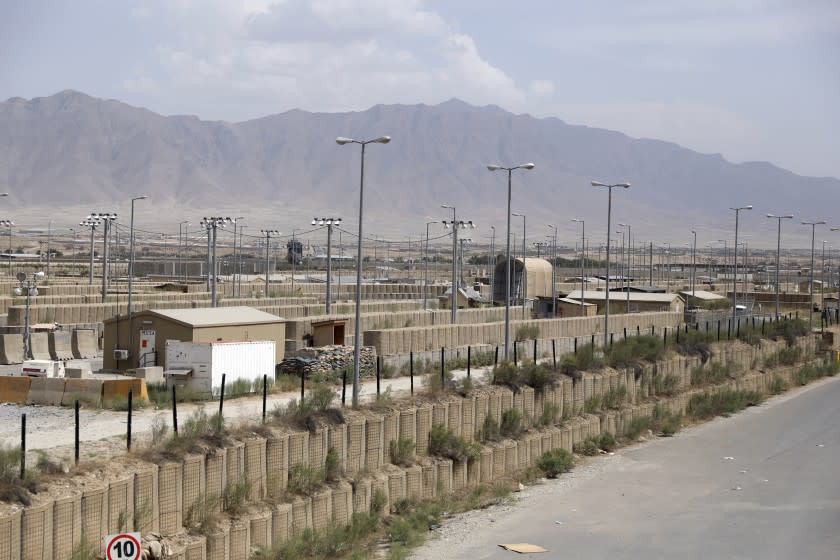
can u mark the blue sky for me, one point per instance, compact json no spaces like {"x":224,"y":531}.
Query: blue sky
{"x":751,"y":79}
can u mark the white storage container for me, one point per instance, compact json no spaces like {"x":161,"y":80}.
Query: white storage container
{"x":200,"y":365}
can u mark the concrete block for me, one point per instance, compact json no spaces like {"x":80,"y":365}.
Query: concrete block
{"x":40,"y":346}
{"x":86,"y":391}
{"x":115,"y":388}
{"x":14,"y":389}
{"x":46,"y":391}
{"x":11,"y":349}
{"x":84,"y":344}
{"x":59,"y":345}
{"x":151,"y":374}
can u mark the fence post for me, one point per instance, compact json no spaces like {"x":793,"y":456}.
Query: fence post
{"x":76,"y":448}
{"x":611,"y":339}
{"x":665,"y":336}
{"x":678,"y":335}
{"x":411,"y":370}
{"x":718,"y":330}
{"x":442,"y":367}
{"x":728,"y":329}
{"x":652,"y":330}
{"x":496,"y":358}
{"x":222,"y":397}
{"x":554,"y":353}
{"x":535,"y":350}
{"x":575,"y":347}
{"x":592,"y":341}
{"x":378,"y":373}
{"x":738,"y":328}
{"x":344,"y":387}
{"x":23,"y":446}
{"x":469,"y":360}
{"x":174,"y":411}
{"x":638,"y":330}
{"x":515,"y":357}
{"x":302,"y":384}
{"x":625,"y":333}
{"x":763,"y":320}
{"x":265,"y":395}
{"x":128,"y":431}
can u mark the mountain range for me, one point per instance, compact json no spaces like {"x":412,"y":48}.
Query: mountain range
{"x":67,"y":154}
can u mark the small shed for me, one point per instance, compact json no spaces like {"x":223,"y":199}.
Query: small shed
{"x":638,"y":301}
{"x":467,"y":297}
{"x":143,"y":342}
{"x":329,"y":332}
{"x":567,"y":307}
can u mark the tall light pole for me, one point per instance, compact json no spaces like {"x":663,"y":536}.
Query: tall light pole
{"x":75,"y":251}
{"x":582,"y":259}
{"x":455,"y":225}
{"x":524,"y":271}
{"x":268,"y":233}
{"x":778,"y":251}
{"x":627,"y":268}
{"x":357,"y":337}
{"x":737,"y":211}
{"x":426,"y":267}
{"x":182,"y":244}
{"x":813,"y":225}
{"x":329,"y":223}
{"x":838,"y":276}
{"x":694,"y":263}
{"x":236,"y":257}
{"x":30,"y":288}
{"x":553,"y":229}
{"x":492,"y":261}
{"x":104,"y":218}
{"x":508,"y":273}
{"x":212,"y":224}
{"x":609,"y":228}
{"x":131,"y":271}
{"x":91,"y":223}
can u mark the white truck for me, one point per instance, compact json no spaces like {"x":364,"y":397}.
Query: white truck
{"x":42,"y":368}
{"x":200,"y":365}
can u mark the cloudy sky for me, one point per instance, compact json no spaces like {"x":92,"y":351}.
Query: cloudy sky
{"x":751,"y":79}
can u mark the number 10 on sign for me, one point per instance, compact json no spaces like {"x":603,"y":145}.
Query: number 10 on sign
{"x":125,"y":546}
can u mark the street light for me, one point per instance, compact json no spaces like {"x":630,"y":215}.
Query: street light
{"x":104,"y":218}
{"x":30,"y":288}
{"x":182,"y":244}
{"x":778,"y":251}
{"x":693,"y":263}
{"x":553,"y":229}
{"x":236,"y":258}
{"x":357,"y":339}
{"x":492,"y":262}
{"x":609,"y":227}
{"x":737,"y":211}
{"x":627,"y":270}
{"x":268,"y":233}
{"x":524,"y":271}
{"x":329,"y":223}
{"x":813,"y":225}
{"x":131,"y":269}
{"x":455,"y":225}
{"x":426,"y":267}
{"x":582,"y":259}
{"x":88,"y":222}
{"x":508,"y":273}
{"x":212,"y":224}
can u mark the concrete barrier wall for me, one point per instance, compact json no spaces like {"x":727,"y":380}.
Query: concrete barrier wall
{"x":60,"y":345}
{"x":158,"y":495}
{"x":11,"y":349}
{"x":40,"y":346}
{"x":84,"y":344}
{"x":417,"y":339}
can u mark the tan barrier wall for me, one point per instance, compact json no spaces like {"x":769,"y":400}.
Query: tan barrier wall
{"x":158,"y":496}
{"x":11,"y":349}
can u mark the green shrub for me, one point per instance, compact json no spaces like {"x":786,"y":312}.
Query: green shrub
{"x":606,"y":441}
{"x":630,"y":352}
{"x":161,"y":395}
{"x":777,"y":386}
{"x":587,"y":358}
{"x":489,"y":431}
{"x":12,"y":488}
{"x":713,"y":374}
{"x":666,"y":384}
{"x":588,"y":447}
{"x":527,"y":332}
{"x":511,"y":425}
{"x":434,"y":385}
{"x":304,"y":479}
{"x":549,"y":414}
{"x":537,"y":376}
{"x":443,"y":443}
{"x":505,"y":374}
{"x":332,"y":467}
{"x":235,"y":495}
{"x":695,"y":342}
{"x":614,"y":398}
{"x":402,"y":451}
{"x":555,"y":462}
{"x":593,"y":404}
{"x":636,"y":426}
{"x":317,"y":403}
{"x":724,"y":402}
{"x":809,"y":373}
{"x":84,"y":550}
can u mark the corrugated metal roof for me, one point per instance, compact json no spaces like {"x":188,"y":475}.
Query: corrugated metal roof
{"x":702,"y":295}
{"x":634,"y":296}
{"x":217,"y":316}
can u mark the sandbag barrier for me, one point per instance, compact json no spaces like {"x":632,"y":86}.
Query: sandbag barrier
{"x":155,"y":498}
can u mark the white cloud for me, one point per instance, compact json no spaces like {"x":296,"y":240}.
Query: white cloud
{"x":325,"y":55}
{"x":541,"y":88}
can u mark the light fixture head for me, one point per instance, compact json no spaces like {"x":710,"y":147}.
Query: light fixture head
{"x":382,"y":140}
{"x":341,"y":140}
{"x":493,"y":167}
{"x":526,"y":166}
{"x":18,"y":292}
{"x":597,"y":184}
{"x":39,"y":275}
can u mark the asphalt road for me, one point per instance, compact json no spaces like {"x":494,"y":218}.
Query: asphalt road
{"x":764,"y":483}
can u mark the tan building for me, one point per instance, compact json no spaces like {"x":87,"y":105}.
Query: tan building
{"x":144,"y":342}
{"x":531,"y":279}
{"x":639,"y":301}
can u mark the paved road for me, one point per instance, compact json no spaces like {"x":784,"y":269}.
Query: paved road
{"x":762,"y":484}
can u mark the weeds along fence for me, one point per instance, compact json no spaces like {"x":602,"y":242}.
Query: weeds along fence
{"x":217,"y":493}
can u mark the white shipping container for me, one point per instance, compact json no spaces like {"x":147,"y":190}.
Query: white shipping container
{"x":200,"y":365}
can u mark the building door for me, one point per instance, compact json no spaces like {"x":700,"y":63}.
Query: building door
{"x":146,"y":355}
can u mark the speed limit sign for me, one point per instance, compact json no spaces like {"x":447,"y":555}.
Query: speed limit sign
{"x":125,"y":546}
